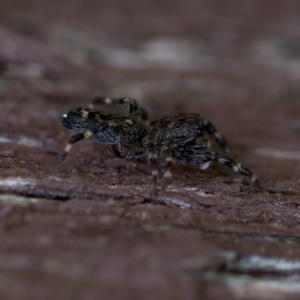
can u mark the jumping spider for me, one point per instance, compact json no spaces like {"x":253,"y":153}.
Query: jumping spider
{"x":184,"y":137}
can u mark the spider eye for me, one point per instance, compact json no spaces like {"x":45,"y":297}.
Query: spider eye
{"x":177,"y":124}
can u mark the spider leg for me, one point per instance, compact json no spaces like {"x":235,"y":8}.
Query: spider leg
{"x":167,"y":174}
{"x":75,"y":138}
{"x":227,"y":161}
{"x":140,"y":115}
{"x":152,"y":160}
{"x":134,"y":111}
{"x":211,"y":130}
{"x":133,"y":107}
{"x":201,"y":155}
{"x":161,"y":168}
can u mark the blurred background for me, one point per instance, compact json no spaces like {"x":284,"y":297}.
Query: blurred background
{"x":235,"y":62}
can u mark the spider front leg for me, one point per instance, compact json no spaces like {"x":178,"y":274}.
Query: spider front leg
{"x":75,"y":138}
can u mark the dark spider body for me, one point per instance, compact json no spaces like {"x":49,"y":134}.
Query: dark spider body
{"x":124,"y":134}
{"x":184,"y":137}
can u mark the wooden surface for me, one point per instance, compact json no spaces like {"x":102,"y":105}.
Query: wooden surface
{"x":80,"y":230}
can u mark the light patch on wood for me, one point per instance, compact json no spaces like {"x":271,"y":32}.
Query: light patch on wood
{"x":107,"y":101}
{"x":278,"y":153}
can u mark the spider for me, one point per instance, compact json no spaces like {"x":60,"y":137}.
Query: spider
{"x":185,"y":137}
